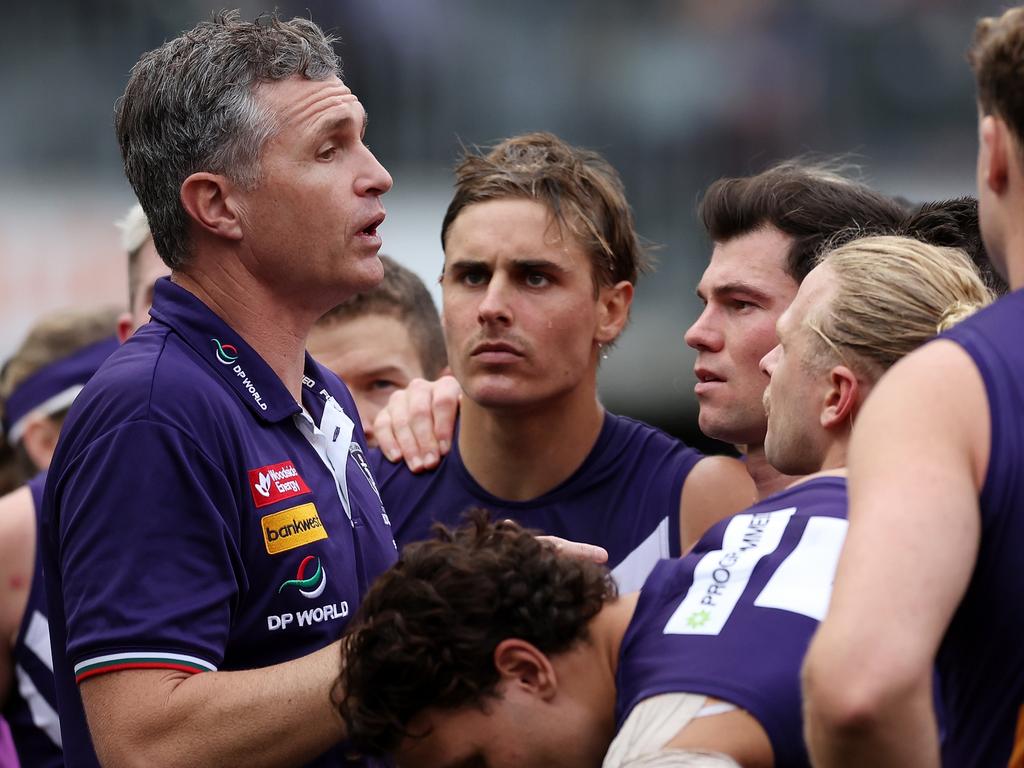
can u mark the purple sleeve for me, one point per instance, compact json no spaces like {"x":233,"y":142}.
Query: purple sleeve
{"x":129,"y":500}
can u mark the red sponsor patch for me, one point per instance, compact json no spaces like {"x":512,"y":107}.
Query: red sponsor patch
{"x":275,"y":482}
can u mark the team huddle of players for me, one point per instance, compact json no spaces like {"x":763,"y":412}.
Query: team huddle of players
{"x":227,"y":572}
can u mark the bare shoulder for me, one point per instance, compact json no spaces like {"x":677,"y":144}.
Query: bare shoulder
{"x":717,"y":487}
{"x":932,"y":404}
{"x":17,"y":558}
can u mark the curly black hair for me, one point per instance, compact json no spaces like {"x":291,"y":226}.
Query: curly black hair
{"x":427,"y":629}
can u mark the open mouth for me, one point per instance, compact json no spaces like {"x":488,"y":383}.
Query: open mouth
{"x":707,"y":377}
{"x":370,"y":229}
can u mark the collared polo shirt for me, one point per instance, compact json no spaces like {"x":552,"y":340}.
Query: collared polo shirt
{"x":197,"y":518}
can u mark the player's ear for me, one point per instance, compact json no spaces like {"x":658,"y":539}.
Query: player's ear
{"x":994,"y":158}
{"x":40,"y":439}
{"x":211,"y":202}
{"x":613,"y":307}
{"x":843,"y":397}
{"x":520,"y":664}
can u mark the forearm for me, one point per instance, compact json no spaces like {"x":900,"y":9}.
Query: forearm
{"x":276,"y":716}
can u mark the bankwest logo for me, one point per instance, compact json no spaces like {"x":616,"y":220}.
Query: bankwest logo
{"x":275,"y":482}
{"x":291,"y":528}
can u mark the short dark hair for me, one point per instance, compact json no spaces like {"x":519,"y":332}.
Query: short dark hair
{"x":426,"y":631}
{"x":997,"y":58}
{"x":809,"y":201}
{"x":582,"y":191}
{"x":189,"y":107}
{"x":954,"y":224}
{"x":402,"y":295}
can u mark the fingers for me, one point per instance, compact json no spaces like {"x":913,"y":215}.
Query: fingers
{"x":576,"y":549}
{"x":418,"y":422}
{"x":446,"y":407}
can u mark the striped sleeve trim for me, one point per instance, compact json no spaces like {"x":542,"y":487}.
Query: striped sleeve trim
{"x":112,"y":662}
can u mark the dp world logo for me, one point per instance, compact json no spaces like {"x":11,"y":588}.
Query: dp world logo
{"x":226,"y":353}
{"x":310,"y":586}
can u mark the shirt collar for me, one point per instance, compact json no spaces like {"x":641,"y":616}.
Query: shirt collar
{"x":230,"y":357}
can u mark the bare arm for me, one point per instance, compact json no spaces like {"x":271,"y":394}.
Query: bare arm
{"x":418,"y":422}
{"x":716,"y":488}
{"x":917,"y":461}
{"x":17,"y":563}
{"x":275,"y":716}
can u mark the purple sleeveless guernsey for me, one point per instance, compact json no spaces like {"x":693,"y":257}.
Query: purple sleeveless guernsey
{"x":31,"y":709}
{"x":981,"y":659}
{"x":734,"y":617}
{"x":624,"y":497}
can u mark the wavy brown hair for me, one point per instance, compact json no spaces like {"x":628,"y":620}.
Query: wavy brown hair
{"x":426,"y":631}
{"x":580,"y":188}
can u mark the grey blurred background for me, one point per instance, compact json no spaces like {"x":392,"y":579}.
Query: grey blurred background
{"x":674,"y":92}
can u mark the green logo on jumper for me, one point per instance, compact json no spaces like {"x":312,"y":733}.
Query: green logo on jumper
{"x":226,"y":353}
{"x":308,"y":586}
{"x":697,"y":619}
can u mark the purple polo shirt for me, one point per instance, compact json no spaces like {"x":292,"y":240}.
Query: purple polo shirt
{"x":733,"y":618}
{"x":189,"y":524}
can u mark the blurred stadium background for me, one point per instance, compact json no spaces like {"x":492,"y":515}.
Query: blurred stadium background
{"x":674,"y":92}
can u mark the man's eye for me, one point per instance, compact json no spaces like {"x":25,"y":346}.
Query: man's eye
{"x":383,"y":384}
{"x":474,"y":278}
{"x":537,"y":280}
{"x":327,"y":153}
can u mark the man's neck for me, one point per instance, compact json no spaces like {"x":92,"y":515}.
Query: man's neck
{"x":588,"y":669}
{"x":767,"y":479}
{"x":520,"y":454}
{"x":275,"y":329}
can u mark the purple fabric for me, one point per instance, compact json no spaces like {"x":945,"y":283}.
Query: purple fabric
{"x":8,"y":759}
{"x":58,"y":376}
{"x":981,"y":658}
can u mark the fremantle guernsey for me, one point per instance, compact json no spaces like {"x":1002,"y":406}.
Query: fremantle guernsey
{"x":981,"y":658}
{"x":734,"y":617}
{"x":196,"y":518}
{"x":624,"y":497}
{"x":31,"y":709}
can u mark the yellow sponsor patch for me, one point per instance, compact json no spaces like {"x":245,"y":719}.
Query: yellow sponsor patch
{"x":291,"y":528}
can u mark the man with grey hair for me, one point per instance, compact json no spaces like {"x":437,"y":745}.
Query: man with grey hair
{"x":220,"y":468}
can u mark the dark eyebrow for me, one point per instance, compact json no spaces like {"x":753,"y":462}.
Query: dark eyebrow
{"x":740,"y":287}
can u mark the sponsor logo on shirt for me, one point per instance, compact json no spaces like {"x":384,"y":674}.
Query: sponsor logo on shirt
{"x":275,"y":482}
{"x":721,"y":576}
{"x":291,"y":528}
{"x":226,"y":353}
{"x":310,"y":581}
{"x":249,"y":386}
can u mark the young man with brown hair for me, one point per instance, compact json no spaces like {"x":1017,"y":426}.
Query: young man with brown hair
{"x":541,"y":259}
